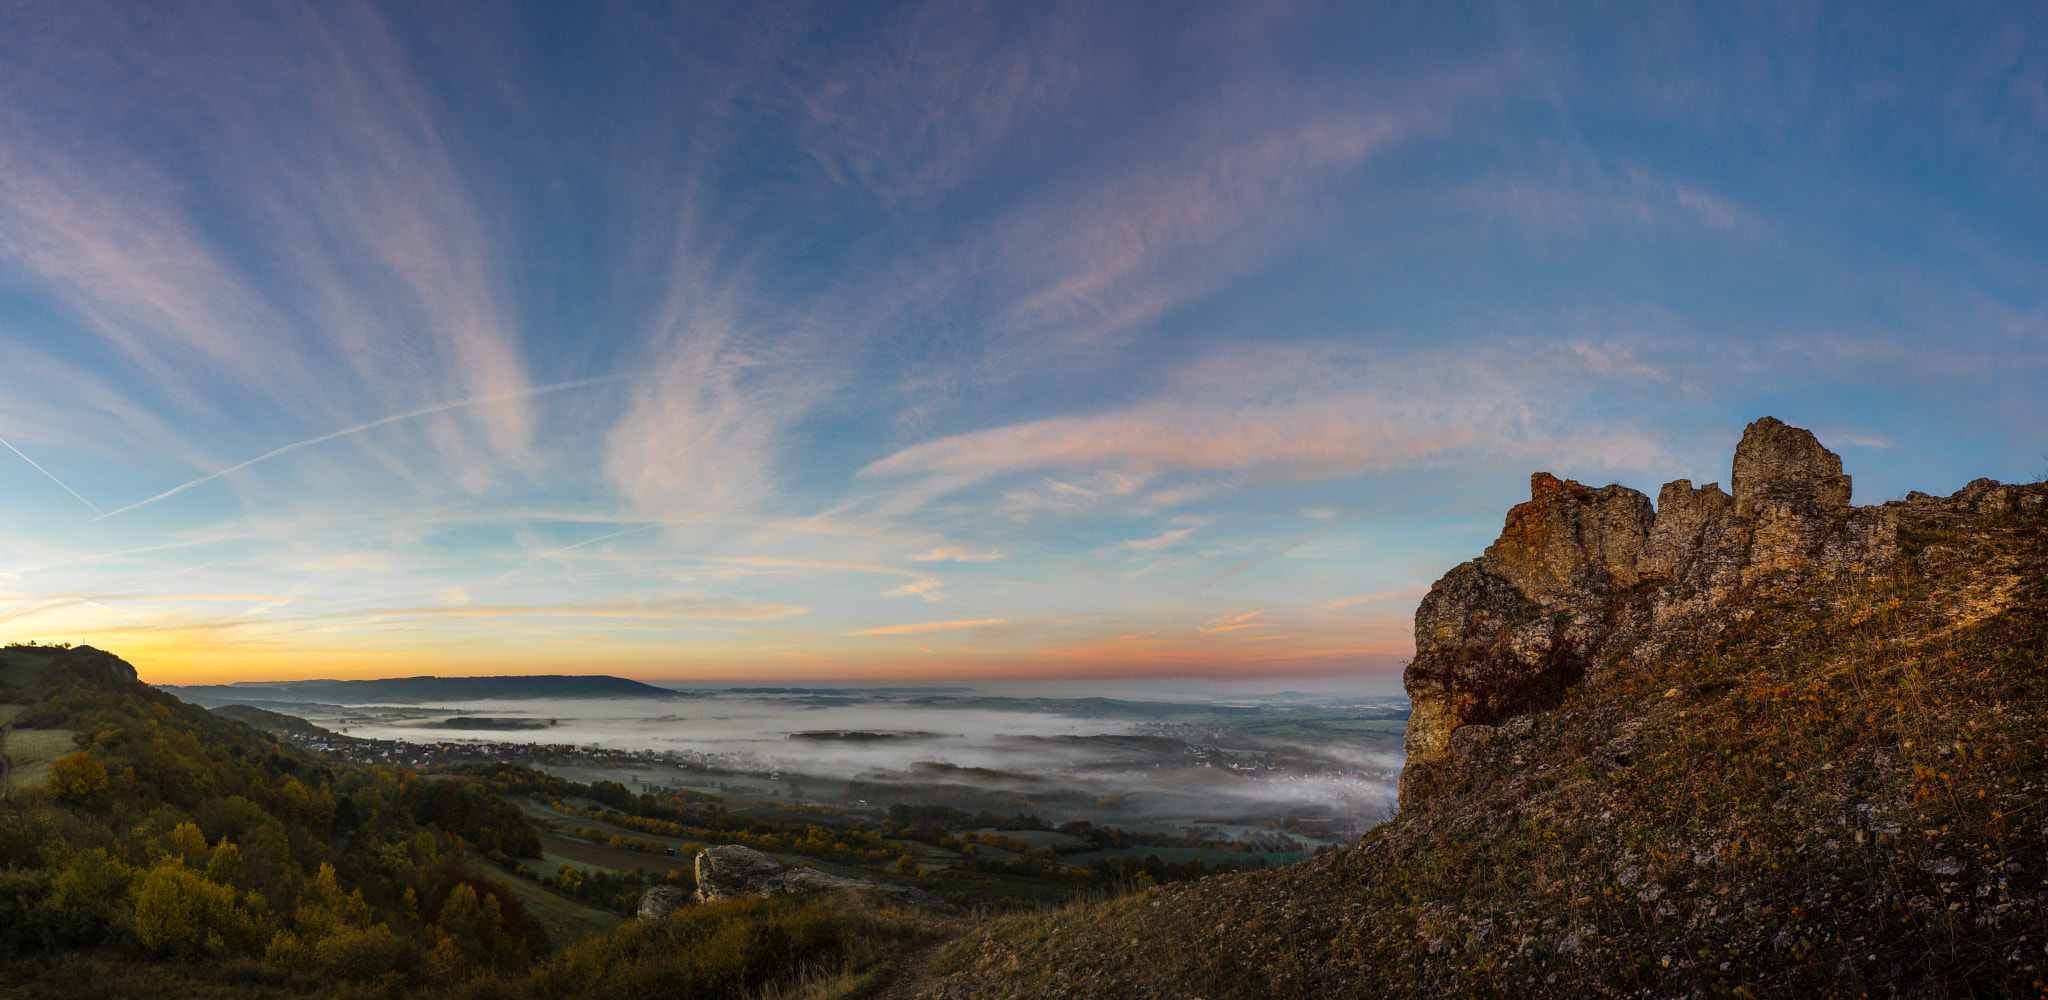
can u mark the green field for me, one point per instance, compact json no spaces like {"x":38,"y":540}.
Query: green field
{"x":1036,"y":838}
{"x":10,"y":711}
{"x":31,"y":751}
{"x":566,"y":920}
{"x":552,"y":863}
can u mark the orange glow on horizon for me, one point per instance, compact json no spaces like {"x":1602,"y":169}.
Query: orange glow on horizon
{"x":166,"y":660}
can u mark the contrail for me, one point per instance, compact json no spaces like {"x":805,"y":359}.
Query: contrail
{"x":359,"y":428}
{"x":53,"y":479}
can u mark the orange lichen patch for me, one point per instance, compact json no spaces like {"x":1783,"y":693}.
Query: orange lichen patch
{"x":1541,"y":485}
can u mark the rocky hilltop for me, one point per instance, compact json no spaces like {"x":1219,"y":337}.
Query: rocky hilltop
{"x":1580,"y":575}
{"x":1755,"y":743}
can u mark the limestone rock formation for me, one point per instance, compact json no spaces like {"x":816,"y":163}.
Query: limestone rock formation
{"x":730,"y":871}
{"x":1579,"y":571}
{"x":661,"y":901}
{"x":1776,"y":460}
{"x":1570,"y":541}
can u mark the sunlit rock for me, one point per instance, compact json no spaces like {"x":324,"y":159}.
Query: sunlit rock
{"x":1580,"y":572}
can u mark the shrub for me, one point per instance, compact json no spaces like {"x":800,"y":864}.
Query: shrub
{"x":178,"y":913}
{"x":79,"y":779}
{"x":361,"y":955}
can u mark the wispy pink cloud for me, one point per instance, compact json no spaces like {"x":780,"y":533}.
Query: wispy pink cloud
{"x":1160,"y":541}
{"x":1292,"y":414}
{"x":927,"y":589}
{"x":1404,"y":595}
{"x":1232,"y":623}
{"x":921,"y":628}
{"x":955,"y":553}
{"x":377,"y":287}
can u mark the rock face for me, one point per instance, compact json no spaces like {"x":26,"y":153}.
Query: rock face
{"x":661,"y":901}
{"x":1578,"y":572}
{"x":730,"y":871}
{"x":1569,"y":540}
{"x":1776,"y":460}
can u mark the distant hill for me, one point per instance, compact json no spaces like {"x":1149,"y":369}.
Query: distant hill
{"x":273,"y":722}
{"x":424,"y":690}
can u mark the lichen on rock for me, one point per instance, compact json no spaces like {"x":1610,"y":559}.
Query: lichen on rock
{"x":1578,"y":573}
{"x":730,"y":871}
{"x":662,"y":900}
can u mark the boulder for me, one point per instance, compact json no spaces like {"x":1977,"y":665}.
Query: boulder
{"x":730,"y":871}
{"x":661,"y":901}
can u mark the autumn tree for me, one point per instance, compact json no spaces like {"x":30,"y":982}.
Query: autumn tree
{"x":79,"y":779}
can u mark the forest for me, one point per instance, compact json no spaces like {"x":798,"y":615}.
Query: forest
{"x":173,"y":842}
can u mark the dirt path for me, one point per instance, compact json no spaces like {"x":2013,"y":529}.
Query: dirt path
{"x":910,"y":974}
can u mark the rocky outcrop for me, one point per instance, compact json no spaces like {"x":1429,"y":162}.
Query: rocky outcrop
{"x":730,"y":871}
{"x":1777,"y":461}
{"x":1570,"y":543}
{"x":1578,"y":573}
{"x":1687,"y":522}
{"x":661,"y":901}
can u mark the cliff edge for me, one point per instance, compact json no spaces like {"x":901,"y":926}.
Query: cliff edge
{"x":1752,"y":743}
{"x":1580,"y":574}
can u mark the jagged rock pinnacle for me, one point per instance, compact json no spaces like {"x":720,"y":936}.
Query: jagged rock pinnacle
{"x":1774,"y":458}
{"x":1578,"y":570}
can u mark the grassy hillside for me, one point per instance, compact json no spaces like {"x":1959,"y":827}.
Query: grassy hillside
{"x":170,"y":851}
{"x":1838,"y":791}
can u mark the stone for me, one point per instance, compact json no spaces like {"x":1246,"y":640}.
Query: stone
{"x":1569,"y":541}
{"x":661,"y":901}
{"x":1686,"y":523}
{"x":730,"y":871}
{"x":1776,"y":459}
{"x":1578,"y":572}
{"x":1467,"y":602}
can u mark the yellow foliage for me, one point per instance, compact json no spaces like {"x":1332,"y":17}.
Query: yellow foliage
{"x":188,"y":844}
{"x":344,"y":908}
{"x":78,"y":778}
{"x":363,"y":954}
{"x":287,"y":950}
{"x":225,"y":867}
{"x":178,"y":913}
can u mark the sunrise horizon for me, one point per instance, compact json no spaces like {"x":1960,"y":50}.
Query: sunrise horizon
{"x":1054,"y":341}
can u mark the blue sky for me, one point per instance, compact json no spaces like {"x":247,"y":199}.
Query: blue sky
{"x":957,"y":340}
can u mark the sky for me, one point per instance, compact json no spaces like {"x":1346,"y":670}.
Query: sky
{"x":1057,"y":341}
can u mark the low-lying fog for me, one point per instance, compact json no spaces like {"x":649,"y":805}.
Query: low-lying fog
{"x":1158,"y":754}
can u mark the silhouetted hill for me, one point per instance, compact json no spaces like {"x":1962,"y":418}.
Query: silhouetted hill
{"x":274,"y":722}
{"x":424,"y":690}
